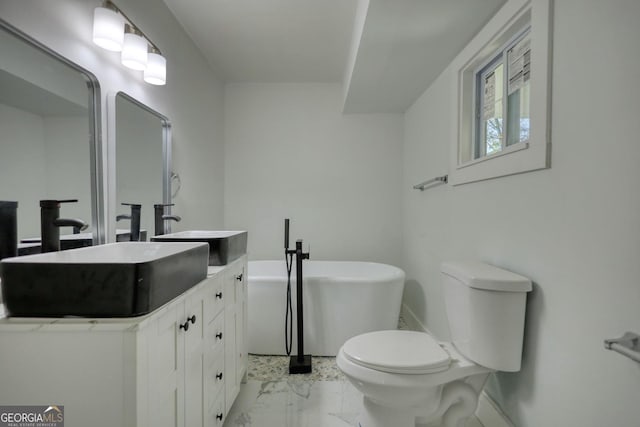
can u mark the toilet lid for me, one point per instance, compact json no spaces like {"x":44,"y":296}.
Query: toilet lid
{"x":400,"y":352}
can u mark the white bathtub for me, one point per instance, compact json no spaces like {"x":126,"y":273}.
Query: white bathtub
{"x":341,"y":300}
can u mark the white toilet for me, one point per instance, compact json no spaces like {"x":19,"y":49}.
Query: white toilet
{"x":409,"y":377}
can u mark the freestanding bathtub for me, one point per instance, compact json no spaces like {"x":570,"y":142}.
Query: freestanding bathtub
{"x":341,"y":300}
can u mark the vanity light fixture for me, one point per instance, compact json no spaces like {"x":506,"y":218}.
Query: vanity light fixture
{"x":134,"y":49}
{"x":108,"y":29}
{"x":114,"y":31}
{"x":156,"y":71}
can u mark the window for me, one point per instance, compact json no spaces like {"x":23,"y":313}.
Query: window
{"x":501,"y":121}
{"x":502,"y":88}
{"x":489,"y":137}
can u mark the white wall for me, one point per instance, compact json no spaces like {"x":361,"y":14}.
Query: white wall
{"x":574,"y":229}
{"x":66,"y":168}
{"x":291,"y":153}
{"x":43,"y":158}
{"x":192,"y":98}
{"x":22,"y":165}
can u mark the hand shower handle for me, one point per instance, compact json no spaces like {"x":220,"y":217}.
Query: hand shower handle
{"x":286,"y":234}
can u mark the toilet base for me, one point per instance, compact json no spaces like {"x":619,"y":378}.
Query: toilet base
{"x":458,"y":402}
{"x":374,"y":415}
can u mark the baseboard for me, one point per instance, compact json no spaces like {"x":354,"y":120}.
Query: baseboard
{"x":489,"y":414}
{"x":412,"y":321}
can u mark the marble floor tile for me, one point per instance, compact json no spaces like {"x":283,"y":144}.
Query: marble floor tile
{"x":299,"y":403}
{"x":295,"y":403}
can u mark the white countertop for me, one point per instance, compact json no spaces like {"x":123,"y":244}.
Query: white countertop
{"x":212,"y":270}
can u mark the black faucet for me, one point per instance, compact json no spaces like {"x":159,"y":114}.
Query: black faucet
{"x":300,"y":364}
{"x":160,"y":218}
{"x":50,"y":223}
{"x":134,"y":233}
{"x":8,"y":229}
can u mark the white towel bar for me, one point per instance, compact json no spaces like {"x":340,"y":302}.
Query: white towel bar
{"x":628,"y":345}
{"x":438,"y":179}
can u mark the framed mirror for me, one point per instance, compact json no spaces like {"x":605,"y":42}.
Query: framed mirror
{"x":142,"y":143}
{"x":49,"y":145}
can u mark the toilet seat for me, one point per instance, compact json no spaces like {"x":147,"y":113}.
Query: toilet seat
{"x":398,"y":352}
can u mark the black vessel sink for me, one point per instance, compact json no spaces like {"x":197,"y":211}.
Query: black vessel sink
{"x":115,"y":280}
{"x":224,"y":246}
{"x":67,"y":241}
{"x":125,"y":235}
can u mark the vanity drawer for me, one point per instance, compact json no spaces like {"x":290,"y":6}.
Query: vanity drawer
{"x":215,"y":334}
{"x":233,"y":280}
{"x":214,"y":374}
{"x":215,"y":298}
{"x":216,"y":415}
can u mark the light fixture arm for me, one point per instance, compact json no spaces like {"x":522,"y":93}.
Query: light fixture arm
{"x":111,"y":5}
{"x":113,"y":30}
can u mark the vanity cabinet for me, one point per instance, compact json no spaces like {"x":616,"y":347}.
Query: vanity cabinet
{"x":179,"y":366}
{"x":175,"y":362}
{"x":235,"y":327}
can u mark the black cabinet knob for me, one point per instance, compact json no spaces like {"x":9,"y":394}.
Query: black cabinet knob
{"x":219,"y":416}
{"x":185,"y":325}
{"x":219,"y":335}
{"x":239,"y":277}
{"x":219,"y":295}
{"x":219,"y":376}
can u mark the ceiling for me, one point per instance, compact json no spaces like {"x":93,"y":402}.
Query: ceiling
{"x":393,"y":48}
{"x":270,"y":40}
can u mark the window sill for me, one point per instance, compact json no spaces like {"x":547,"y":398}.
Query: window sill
{"x":515,"y":147}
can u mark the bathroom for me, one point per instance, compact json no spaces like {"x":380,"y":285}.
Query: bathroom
{"x":252,"y":150}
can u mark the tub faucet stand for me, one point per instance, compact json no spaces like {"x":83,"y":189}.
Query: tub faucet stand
{"x":300,"y":363}
{"x":300,"y":367}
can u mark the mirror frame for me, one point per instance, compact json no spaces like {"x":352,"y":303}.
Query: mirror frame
{"x":95,"y":140}
{"x":112,"y":142}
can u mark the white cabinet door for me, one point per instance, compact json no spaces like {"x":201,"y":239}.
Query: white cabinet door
{"x":175,"y":364}
{"x":232,"y":385}
{"x":193,"y":328}
{"x":166,"y":369}
{"x":235,"y":324}
{"x":241,"y":321}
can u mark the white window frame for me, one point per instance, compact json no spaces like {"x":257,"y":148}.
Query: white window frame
{"x":510,"y":22}
{"x":478,"y":134}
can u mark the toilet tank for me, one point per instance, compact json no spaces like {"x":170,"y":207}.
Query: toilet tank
{"x":486,"y":307}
